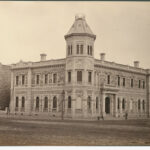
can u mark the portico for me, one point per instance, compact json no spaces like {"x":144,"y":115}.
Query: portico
{"x":109,"y":101}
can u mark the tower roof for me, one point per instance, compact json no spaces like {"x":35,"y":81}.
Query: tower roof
{"x":80,"y":27}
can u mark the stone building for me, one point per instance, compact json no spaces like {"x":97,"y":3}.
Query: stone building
{"x":80,"y":86}
{"x":4,"y":86}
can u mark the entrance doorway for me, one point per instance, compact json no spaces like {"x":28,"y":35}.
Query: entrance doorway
{"x":107,"y":105}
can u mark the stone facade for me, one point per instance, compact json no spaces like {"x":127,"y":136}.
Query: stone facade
{"x":80,"y":86}
{"x":4,"y":86}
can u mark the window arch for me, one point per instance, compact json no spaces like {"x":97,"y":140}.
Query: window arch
{"x":143,"y":105}
{"x":46,"y":102}
{"x":123,"y":103}
{"x":69,"y":102}
{"x":23,"y":102}
{"x":54,"y":102}
{"x":37,"y":102}
{"x":89,"y":102}
{"x":139,"y":103}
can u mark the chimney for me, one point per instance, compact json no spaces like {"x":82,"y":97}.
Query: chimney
{"x":136,"y":64}
{"x":43,"y":57}
{"x":102,"y":56}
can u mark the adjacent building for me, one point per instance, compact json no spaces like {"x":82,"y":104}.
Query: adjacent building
{"x":4,"y":86}
{"x":80,"y":86}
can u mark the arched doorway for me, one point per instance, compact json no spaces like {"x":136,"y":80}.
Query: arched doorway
{"x":107,"y":105}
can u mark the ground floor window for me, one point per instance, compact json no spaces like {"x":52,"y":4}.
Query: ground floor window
{"x":54,"y":102}
{"x":143,"y":105}
{"x":45,"y":103}
{"x":37,"y":102}
{"x":139,"y":103}
{"x":89,"y":102}
{"x":69,"y":102}
{"x":96,"y":102}
{"x":17,"y":101}
{"x":118,"y":103}
{"x":123,"y":104}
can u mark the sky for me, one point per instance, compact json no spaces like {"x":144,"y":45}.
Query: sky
{"x":29,"y":28}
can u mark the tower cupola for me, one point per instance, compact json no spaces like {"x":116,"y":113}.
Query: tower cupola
{"x":80,"y":38}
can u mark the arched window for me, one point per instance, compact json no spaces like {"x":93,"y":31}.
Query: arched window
{"x":37,"y":102}
{"x":89,"y":102}
{"x":17,"y":101}
{"x":69,"y":102}
{"x":96,"y":102}
{"x":123,"y":104}
{"x":139,"y":103}
{"x":143,"y":105}
{"x":118,"y":103}
{"x":23,"y":102}
{"x":46,"y":103}
{"x":54,"y":102}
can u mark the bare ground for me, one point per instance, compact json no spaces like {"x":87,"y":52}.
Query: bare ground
{"x":69,"y":132}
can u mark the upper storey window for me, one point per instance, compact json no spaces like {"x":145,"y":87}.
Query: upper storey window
{"x":118,"y":81}
{"x":80,"y":48}
{"x":89,"y":77}
{"x":139,"y":83}
{"x":54,"y":78}
{"x":124,"y":82}
{"x":89,"y":50}
{"x":37,"y":79}
{"x":79,"y":76}
{"x":17,"y":80}
{"x":132,"y":83}
{"x":108,"y":79}
{"x":23,"y":79}
{"x":69,"y":49}
{"x":69,"y":76}
{"x":46,"y":78}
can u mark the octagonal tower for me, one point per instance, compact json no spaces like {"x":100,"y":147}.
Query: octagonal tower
{"x":79,"y":62}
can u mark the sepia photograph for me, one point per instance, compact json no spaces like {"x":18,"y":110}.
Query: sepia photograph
{"x":74,"y":73}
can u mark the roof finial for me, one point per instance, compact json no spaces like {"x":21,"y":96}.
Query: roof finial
{"x":79,"y":16}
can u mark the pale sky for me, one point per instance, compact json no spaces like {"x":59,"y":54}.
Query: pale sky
{"x":28,"y":29}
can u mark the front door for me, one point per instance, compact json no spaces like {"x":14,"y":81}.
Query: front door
{"x":107,"y":105}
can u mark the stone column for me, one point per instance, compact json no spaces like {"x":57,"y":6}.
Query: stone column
{"x":12,"y":99}
{"x":28,"y":100}
{"x":73,"y":103}
{"x":66,"y":102}
{"x":49,"y":103}
{"x":116,"y":106}
{"x":103,"y":104}
{"x":84,"y":107}
{"x":92,"y":104}
{"x":120,"y":105}
{"x":111,"y":105}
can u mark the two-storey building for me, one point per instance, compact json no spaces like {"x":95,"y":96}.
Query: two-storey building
{"x":80,"y":86}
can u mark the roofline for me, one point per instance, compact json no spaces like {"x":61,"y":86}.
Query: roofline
{"x":80,"y":34}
